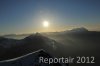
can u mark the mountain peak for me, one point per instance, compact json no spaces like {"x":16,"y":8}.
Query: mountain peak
{"x":39,"y":40}
{"x":82,"y":29}
{"x":35,"y":36}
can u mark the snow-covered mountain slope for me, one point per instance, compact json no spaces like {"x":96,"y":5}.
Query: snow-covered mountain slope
{"x":31,"y":59}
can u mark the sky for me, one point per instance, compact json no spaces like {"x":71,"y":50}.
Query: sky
{"x":27,"y":16}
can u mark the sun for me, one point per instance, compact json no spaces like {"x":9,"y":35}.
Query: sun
{"x":45,"y":24}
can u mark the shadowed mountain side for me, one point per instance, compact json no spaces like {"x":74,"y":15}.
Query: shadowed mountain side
{"x":30,"y":44}
{"x":78,"y":42}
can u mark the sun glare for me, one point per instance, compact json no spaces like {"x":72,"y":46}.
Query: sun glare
{"x":46,"y":24}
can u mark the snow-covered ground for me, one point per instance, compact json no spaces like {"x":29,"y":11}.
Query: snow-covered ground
{"x":31,"y":59}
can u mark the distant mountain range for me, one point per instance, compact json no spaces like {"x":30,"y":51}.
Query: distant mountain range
{"x":82,"y":29}
{"x":74,"y":30}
